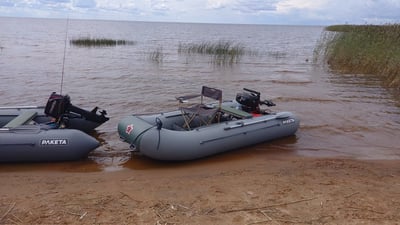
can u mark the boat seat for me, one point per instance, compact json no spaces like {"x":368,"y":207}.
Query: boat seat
{"x":204,"y":113}
{"x":236,"y":112}
{"x":21,"y":119}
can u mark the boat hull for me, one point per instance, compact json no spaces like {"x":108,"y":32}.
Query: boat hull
{"x":32,"y":143}
{"x":159,"y":140}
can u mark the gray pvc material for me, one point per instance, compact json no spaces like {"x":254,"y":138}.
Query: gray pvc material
{"x":33,"y":143}
{"x":172,"y":144}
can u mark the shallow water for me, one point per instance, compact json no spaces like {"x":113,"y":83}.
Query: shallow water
{"x":341,"y":115}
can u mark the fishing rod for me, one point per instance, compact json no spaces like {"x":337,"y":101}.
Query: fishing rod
{"x":63,"y":63}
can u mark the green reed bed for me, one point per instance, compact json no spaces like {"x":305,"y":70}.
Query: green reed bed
{"x":222,"y":52}
{"x":364,"y":49}
{"x":93,"y":42}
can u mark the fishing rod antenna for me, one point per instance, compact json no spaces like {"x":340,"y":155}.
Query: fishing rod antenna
{"x":63,"y":62}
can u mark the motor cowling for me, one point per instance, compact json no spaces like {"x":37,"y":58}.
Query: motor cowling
{"x":250,"y":102}
{"x":57,"y":105}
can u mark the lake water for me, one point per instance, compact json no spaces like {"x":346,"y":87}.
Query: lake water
{"x":341,"y":115}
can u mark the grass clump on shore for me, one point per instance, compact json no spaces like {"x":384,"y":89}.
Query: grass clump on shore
{"x":93,"y":42}
{"x":222,"y":52}
{"x":364,"y":49}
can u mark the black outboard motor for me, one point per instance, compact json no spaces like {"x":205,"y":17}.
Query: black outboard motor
{"x":250,"y":101}
{"x":60,"y":108}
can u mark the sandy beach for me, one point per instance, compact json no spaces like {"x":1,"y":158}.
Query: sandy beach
{"x":270,"y":190}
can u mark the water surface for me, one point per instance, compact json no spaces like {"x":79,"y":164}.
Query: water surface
{"x":341,"y":115}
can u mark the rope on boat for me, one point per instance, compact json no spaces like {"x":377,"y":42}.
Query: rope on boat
{"x":159,"y":126}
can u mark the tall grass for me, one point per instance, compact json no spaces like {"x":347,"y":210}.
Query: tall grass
{"x":157,"y":55}
{"x":365,"y":49}
{"x":222,"y":52}
{"x":93,"y":42}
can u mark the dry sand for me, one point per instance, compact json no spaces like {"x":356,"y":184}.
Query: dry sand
{"x":269,"y":190}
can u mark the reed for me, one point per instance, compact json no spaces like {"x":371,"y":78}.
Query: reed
{"x":94,"y":42}
{"x":157,"y":55}
{"x":222,"y":52}
{"x":364,"y":49}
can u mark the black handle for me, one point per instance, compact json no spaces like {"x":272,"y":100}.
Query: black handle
{"x":252,"y":91}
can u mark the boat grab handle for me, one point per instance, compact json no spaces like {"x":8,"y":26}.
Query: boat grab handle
{"x":241,"y":124}
{"x":133,"y":147}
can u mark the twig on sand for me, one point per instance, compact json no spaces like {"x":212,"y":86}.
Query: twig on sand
{"x":258,"y":222}
{"x":209,"y":211}
{"x":8,"y":211}
{"x":268,"y":217}
{"x":126,"y":195}
{"x":83,"y":215}
{"x":268,"y":206}
{"x":159,"y":215}
{"x":184,"y":207}
{"x":364,"y":209}
{"x":15,"y":217}
{"x":348,"y":196}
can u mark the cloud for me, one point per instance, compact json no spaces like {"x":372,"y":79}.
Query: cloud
{"x":340,"y":11}
{"x":48,"y":4}
{"x":122,"y":5}
{"x":243,"y":6}
{"x":52,"y":2}
{"x":286,"y":6}
{"x":7,"y":3}
{"x":159,"y":5}
{"x":87,"y":4}
{"x":369,"y":11}
{"x":380,"y":10}
{"x":219,"y":4}
{"x":319,"y":12}
{"x":256,"y":6}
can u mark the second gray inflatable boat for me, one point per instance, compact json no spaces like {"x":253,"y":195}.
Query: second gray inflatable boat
{"x":204,"y":130}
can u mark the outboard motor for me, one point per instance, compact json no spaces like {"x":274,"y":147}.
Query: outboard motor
{"x":60,"y":108}
{"x":250,"y":101}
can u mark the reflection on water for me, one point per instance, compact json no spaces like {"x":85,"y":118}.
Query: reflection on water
{"x":341,"y":115}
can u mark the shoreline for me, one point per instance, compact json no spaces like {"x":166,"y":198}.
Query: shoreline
{"x":271,"y":190}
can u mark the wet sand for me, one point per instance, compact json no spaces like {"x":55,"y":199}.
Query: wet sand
{"x":272,"y":190}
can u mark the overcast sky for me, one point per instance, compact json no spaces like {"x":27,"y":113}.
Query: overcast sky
{"x":295,"y":12}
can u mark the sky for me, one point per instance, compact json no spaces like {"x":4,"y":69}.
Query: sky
{"x":280,"y":12}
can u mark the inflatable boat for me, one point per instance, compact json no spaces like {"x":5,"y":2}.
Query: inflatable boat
{"x":59,"y":111}
{"x":55,"y":132}
{"x":206,"y":129}
{"x":21,"y":141}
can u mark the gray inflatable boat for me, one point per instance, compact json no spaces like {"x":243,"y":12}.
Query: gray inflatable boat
{"x":190,"y":133}
{"x":51,"y":133}
{"x":59,"y":110}
{"x":21,"y":141}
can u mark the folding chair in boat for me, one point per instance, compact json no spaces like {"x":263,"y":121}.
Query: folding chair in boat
{"x":201,"y":114}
